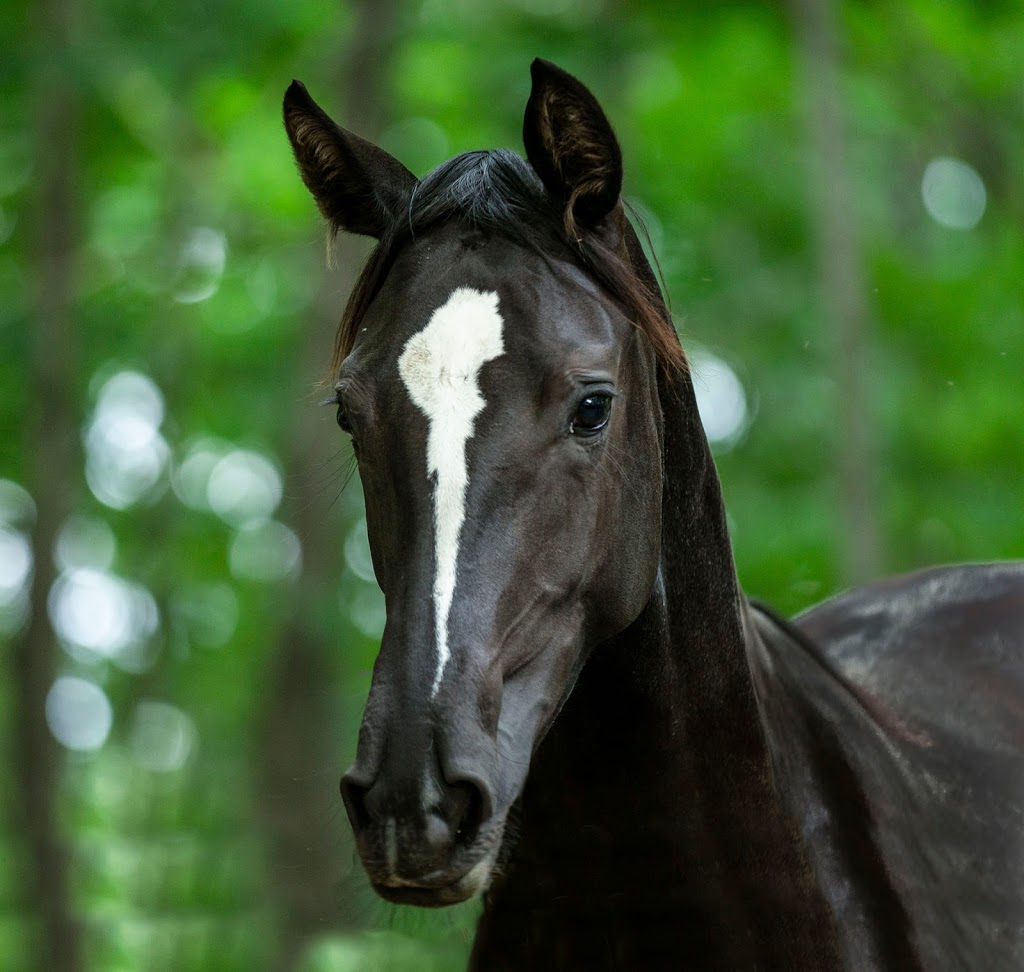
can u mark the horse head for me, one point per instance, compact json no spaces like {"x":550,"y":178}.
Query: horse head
{"x":497,"y":370}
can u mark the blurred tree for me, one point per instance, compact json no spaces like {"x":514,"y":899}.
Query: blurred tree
{"x":54,"y":470}
{"x":841,"y":292}
{"x":301,"y":714}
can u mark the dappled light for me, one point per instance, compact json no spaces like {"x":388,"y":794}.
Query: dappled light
{"x":163,"y":737}
{"x":15,"y":573}
{"x":203,"y":256}
{"x":363,"y":603}
{"x":357,"y":552}
{"x":99,"y":615}
{"x":125,"y":452}
{"x":721,"y":400}
{"x":265,"y":550}
{"x":85,"y":541}
{"x":361,"y":600}
{"x":207,"y":613}
{"x":953,"y":193}
{"x":17,"y":518}
{"x":16,"y":505}
{"x":15,"y":563}
{"x":191,"y":476}
{"x":243,"y":486}
{"x":79,"y":713}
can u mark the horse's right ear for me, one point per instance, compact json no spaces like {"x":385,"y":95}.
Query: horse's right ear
{"x":358,"y":187}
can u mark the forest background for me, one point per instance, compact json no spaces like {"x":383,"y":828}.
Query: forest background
{"x":188,"y":616}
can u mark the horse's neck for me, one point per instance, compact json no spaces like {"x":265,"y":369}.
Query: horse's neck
{"x":752,"y":873}
{"x":652,"y":835}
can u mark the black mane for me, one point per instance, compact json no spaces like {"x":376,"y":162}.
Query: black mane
{"x":498,"y":192}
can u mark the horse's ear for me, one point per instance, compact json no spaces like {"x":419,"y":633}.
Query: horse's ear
{"x":358,"y":187}
{"x":571,"y":146}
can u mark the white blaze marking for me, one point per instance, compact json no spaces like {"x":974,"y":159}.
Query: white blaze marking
{"x":440,"y":366}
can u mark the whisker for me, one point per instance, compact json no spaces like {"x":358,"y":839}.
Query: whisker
{"x":348,"y":479}
{"x":340,"y":455}
{"x":343,"y":470}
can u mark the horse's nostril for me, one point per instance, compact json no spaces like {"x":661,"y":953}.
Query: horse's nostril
{"x":354,"y":795}
{"x":466,"y":810}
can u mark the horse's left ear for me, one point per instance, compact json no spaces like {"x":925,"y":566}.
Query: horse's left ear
{"x":358,"y":186}
{"x":571,"y":146}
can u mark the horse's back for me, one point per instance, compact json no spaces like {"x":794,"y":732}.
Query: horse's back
{"x":918,"y":682}
{"x":942,"y":648}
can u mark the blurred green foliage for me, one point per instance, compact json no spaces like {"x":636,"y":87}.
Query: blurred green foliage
{"x":199,"y":266}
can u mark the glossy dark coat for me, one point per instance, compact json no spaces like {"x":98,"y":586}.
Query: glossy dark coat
{"x":639,"y":768}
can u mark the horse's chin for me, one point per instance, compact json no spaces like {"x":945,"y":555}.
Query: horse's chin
{"x":438,"y":891}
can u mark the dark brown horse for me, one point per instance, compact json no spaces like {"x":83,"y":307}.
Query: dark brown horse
{"x":575,"y":711}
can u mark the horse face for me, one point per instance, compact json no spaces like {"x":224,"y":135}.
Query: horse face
{"x":506,"y":424}
{"x":503,"y":417}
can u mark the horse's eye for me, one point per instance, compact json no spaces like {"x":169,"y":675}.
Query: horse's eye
{"x":343,"y":423}
{"x":591,"y":415}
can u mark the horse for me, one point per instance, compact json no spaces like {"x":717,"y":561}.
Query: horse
{"x":575,"y":712}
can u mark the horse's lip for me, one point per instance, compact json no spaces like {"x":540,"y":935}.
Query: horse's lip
{"x":437,"y":889}
{"x":424,"y":896}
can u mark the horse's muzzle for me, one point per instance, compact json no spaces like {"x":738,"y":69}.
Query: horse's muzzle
{"x":423,"y":834}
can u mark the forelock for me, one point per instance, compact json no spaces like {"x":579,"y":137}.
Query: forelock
{"x":497,"y":191}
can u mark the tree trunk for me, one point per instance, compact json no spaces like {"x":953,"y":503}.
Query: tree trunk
{"x":300,"y":765}
{"x":51,"y":429}
{"x":844,"y":303}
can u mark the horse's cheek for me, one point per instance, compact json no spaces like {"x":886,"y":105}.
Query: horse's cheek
{"x":632,"y":548}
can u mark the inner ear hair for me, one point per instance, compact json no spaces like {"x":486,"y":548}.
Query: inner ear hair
{"x":572,"y":147}
{"x":320,"y":163}
{"x":357,"y":186}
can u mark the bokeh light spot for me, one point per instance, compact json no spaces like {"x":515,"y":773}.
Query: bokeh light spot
{"x":357,"y":552}
{"x":953,"y":193}
{"x":261,"y":286}
{"x":78,"y":713}
{"x":366,"y":610}
{"x":162,"y":736}
{"x":265,"y":551}
{"x":125,"y":453}
{"x":191,"y":477}
{"x":16,"y":504}
{"x":104,"y":615}
{"x":85,"y":541}
{"x":201,"y":265}
{"x":15,"y":564}
{"x":721,"y":400}
{"x":208,"y":613}
{"x":244,"y":486}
